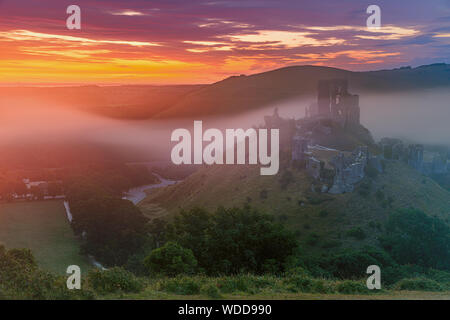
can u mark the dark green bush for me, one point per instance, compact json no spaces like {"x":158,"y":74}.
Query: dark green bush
{"x":418,"y":284}
{"x":232,"y":241}
{"x":323,"y":213}
{"x":302,"y":283}
{"x":113,"y":280}
{"x":171,"y":259}
{"x":181,"y":285}
{"x":356,"y":233}
{"x":312,"y":239}
{"x":412,"y":237}
{"x":234,"y":284}
{"x":212,"y":291}
{"x":352,"y":287}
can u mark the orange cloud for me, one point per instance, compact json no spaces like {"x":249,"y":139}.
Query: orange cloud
{"x":25,"y":35}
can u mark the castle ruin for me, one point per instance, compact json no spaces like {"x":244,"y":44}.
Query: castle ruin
{"x":336,"y":103}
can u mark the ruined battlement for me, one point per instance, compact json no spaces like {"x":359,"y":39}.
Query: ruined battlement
{"x":335,"y":102}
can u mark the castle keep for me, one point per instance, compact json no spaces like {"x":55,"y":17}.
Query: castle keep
{"x":336,"y":103}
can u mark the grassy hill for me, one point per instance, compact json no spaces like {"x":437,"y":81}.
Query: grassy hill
{"x":229,"y":96}
{"x":42,"y":226}
{"x":243,"y":93}
{"x":320,"y":221}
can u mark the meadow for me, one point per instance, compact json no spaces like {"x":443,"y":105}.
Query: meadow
{"x":42,"y":226}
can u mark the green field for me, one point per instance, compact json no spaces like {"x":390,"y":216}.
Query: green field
{"x":41,"y":226}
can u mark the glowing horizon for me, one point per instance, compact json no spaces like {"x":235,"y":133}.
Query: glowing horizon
{"x":156,"y":42}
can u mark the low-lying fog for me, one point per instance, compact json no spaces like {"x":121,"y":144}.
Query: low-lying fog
{"x":420,"y":116}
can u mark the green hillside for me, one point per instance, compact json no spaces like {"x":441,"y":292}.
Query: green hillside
{"x":321,"y":221}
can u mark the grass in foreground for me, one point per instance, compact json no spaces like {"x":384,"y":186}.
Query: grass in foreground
{"x":41,"y":226}
{"x":249,"y":287}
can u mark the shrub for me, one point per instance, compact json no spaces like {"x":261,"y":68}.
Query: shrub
{"x":351,"y":263}
{"x":328,"y":244}
{"x":181,"y":285}
{"x":171,"y":259}
{"x":113,"y":280}
{"x":418,"y":284}
{"x":379,"y":195}
{"x":412,"y":237}
{"x":234,"y":284}
{"x":234,"y":240}
{"x":356,"y":233}
{"x":312,"y":239}
{"x":302,"y":283}
{"x":323,"y":213}
{"x":299,"y":283}
{"x":211,"y":291}
{"x":352,"y":287}
{"x":371,"y":172}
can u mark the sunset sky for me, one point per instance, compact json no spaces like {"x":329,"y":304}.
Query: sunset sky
{"x":174,"y":42}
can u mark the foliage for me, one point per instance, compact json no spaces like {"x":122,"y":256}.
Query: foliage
{"x":114,"y":228}
{"x":171,"y":260}
{"x":356,"y":233}
{"x":20,"y":278}
{"x":371,"y":171}
{"x":412,"y":237}
{"x":181,"y":285}
{"x":113,"y":280}
{"x":418,"y":284}
{"x":232,"y":240}
{"x":350,"y":264}
{"x":352,"y":287}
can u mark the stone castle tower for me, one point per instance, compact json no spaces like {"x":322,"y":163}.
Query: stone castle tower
{"x":335,"y":102}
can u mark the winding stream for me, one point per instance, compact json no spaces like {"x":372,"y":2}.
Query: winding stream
{"x":135,"y":195}
{"x":138,"y":194}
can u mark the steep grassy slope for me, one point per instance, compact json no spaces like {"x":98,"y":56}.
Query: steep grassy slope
{"x":321,"y":221}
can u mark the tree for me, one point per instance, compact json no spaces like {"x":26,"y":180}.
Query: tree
{"x":171,"y":259}
{"x":233,"y":240}
{"x":412,"y":237}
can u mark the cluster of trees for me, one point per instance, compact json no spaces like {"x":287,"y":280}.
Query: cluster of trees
{"x":413,"y":244}
{"x":228,"y":241}
{"x":20,"y":278}
{"x":112,"y":228}
{"x":412,"y":237}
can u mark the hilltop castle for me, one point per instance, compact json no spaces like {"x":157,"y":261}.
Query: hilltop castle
{"x":319,"y":142}
{"x":335,"y":102}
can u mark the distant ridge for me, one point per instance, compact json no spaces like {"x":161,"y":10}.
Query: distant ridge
{"x":242,"y":93}
{"x":232,"y":95}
